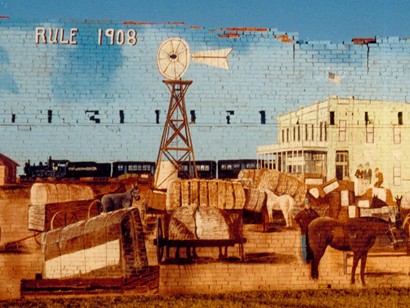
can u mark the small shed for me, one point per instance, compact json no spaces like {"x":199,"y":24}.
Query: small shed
{"x":8,"y":170}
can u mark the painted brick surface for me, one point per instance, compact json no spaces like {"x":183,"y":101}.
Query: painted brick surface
{"x":76,"y":79}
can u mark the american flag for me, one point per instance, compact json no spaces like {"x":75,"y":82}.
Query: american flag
{"x":336,"y":79}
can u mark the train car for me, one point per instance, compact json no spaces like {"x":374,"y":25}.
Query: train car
{"x":143,"y":169}
{"x":206,"y":169}
{"x":84,"y":169}
{"x":229,"y":169}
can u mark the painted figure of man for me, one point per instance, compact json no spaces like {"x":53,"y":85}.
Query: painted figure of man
{"x":367,"y":175}
{"x":358,"y":181}
{"x":303,"y":219}
{"x":379,"y":178}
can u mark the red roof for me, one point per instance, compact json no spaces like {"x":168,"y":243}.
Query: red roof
{"x":5,"y":161}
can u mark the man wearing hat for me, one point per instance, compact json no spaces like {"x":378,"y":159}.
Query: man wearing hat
{"x":303,"y":219}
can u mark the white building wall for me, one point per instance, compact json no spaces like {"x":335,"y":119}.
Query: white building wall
{"x":368,"y":129}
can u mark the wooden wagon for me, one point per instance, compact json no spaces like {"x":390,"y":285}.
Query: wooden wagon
{"x":164,"y":242}
{"x":104,"y":253}
{"x":199,"y":213}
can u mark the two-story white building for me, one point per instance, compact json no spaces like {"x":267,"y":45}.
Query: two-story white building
{"x":334,"y":137}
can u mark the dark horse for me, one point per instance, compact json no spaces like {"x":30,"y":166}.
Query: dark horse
{"x":356,"y":234}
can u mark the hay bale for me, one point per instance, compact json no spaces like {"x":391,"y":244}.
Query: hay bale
{"x":300,"y":195}
{"x":229,"y":196}
{"x":182,"y":224}
{"x":255,"y":200}
{"x":292,"y":185}
{"x":173,"y":199}
{"x":239,"y":195}
{"x":221,"y":194}
{"x":185,"y":193}
{"x":213,"y":193}
{"x":44,"y":193}
{"x":203,"y":193}
{"x":212,"y":224}
{"x":194,"y":192}
{"x":282,"y":184}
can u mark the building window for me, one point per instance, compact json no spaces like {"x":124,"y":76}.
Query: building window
{"x":397,"y":134}
{"x":287,"y":135}
{"x":369,"y":133}
{"x":193,"y":117}
{"x":229,"y":113}
{"x":298,"y":128}
{"x":312,"y":132}
{"x":50,"y":116}
{"x":342,"y":164}
{"x":121,"y":116}
{"x":332,"y":118}
{"x":321,"y":132}
{"x":263,"y":116}
{"x":342,"y":130}
{"x":396,"y":175}
{"x":283,"y":136}
{"x":157,"y":113}
{"x":306,"y":132}
{"x":366,"y":118}
{"x":400,"y":118}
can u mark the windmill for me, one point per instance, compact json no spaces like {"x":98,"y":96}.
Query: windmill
{"x":173,"y":58}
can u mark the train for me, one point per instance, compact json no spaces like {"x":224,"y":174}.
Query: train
{"x":64,"y":169}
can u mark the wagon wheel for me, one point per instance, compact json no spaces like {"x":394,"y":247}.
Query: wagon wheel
{"x":160,"y":240}
{"x":62,"y":219}
{"x":37,"y":237}
{"x":96,"y":205}
{"x":406,"y":225}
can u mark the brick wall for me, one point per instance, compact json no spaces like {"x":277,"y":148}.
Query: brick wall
{"x":51,"y":93}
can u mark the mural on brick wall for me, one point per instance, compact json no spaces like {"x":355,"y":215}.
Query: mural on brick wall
{"x":115,"y":207}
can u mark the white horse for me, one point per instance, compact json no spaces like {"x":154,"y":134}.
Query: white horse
{"x":284,"y":203}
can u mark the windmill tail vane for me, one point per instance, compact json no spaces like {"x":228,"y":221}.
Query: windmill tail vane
{"x":217,"y":57}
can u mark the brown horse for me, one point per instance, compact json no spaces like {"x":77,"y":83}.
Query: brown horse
{"x":357,"y":235}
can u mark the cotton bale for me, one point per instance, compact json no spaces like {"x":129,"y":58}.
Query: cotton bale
{"x":44,"y":193}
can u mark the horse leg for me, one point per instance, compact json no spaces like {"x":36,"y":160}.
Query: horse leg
{"x":290,"y":217}
{"x":363,"y":268}
{"x":356,"y":258}
{"x":270,"y":214}
{"x":317,"y":255}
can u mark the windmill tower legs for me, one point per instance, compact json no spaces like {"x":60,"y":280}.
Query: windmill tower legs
{"x":176,"y":153}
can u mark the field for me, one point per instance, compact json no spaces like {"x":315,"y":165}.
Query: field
{"x":374,"y":297}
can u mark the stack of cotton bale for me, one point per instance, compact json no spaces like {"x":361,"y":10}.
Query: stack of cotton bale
{"x":257,"y":180}
{"x":225,"y":195}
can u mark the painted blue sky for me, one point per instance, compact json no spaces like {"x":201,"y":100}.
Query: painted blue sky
{"x":334,"y":20}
